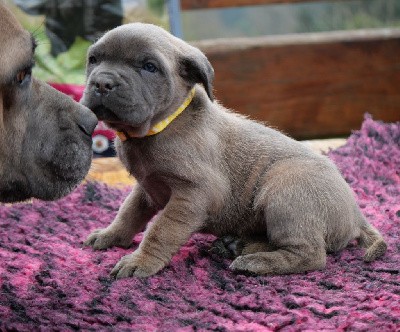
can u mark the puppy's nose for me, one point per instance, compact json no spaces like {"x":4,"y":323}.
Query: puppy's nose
{"x":86,"y":121}
{"x":103,"y":86}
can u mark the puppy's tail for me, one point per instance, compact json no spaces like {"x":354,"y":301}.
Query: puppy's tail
{"x":372,"y":240}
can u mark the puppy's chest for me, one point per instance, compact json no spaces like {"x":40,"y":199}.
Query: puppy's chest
{"x":148,"y":173}
{"x":134,"y":158}
{"x":153,"y":183}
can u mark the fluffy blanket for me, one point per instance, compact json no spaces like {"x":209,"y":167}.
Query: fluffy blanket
{"x":49,"y":282}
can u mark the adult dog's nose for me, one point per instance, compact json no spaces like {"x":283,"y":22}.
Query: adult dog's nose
{"x":103,"y":85}
{"x":86,"y":120}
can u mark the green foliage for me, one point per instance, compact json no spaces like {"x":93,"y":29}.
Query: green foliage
{"x":156,"y":6}
{"x":361,"y":20}
{"x":67,"y":67}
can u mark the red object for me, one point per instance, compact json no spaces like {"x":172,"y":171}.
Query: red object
{"x":72,"y":90}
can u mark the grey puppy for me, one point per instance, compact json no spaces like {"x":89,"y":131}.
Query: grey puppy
{"x":45,"y":137}
{"x":210,"y":170}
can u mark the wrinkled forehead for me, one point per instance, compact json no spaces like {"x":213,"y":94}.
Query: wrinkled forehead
{"x":16,"y":45}
{"x":129,"y":40}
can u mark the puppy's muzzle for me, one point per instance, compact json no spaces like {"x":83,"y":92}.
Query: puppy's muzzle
{"x":103,"y":85}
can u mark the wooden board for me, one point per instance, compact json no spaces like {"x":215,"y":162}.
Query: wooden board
{"x":310,"y":85}
{"x":110,"y":171}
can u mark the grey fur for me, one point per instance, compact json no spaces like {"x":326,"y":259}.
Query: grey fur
{"x":45,"y":137}
{"x":211,"y":170}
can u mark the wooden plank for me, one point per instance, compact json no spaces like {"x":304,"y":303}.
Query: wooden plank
{"x":111,"y":171}
{"x":310,"y":85}
{"x":208,"y":4}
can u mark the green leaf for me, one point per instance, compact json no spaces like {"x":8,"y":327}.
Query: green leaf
{"x":75,"y":57}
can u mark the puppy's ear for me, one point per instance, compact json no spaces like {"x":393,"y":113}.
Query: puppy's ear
{"x":195,"y":68}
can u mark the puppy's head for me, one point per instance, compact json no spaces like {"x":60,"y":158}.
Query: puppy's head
{"x":45,"y":137}
{"x":138,"y":74}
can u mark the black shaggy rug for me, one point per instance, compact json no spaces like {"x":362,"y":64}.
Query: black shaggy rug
{"x":49,"y":283}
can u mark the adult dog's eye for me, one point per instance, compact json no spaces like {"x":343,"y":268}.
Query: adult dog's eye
{"x":148,"y":66}
{"x":24,"y":75}
{"x":92,"y":60}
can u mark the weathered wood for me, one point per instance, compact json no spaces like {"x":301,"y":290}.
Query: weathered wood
{"x":203,"y":4}
{"x":310,"y":85}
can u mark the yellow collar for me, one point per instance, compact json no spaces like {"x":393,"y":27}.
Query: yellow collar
{"x":123,"y":136}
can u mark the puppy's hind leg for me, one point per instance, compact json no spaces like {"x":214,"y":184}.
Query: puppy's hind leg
{"x":256,"y":245}
{"x":294,"y":258}
{"x":294,"y":230}
{"x":231,"y":247}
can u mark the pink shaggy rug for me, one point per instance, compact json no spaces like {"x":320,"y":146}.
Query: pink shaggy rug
{"x":48,"y":282}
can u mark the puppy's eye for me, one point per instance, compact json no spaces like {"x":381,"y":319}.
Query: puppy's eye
{"x":24,"y":75}
{"x":92,"y":60}
{"x":148,"y":66}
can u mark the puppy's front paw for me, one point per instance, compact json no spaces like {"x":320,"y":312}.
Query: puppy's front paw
{"x":138,"y":265}
{"x":104,"y":238}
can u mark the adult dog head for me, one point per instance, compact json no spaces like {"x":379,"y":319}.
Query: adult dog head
{"x":132,"y":88}
{"x":45,"y":137}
